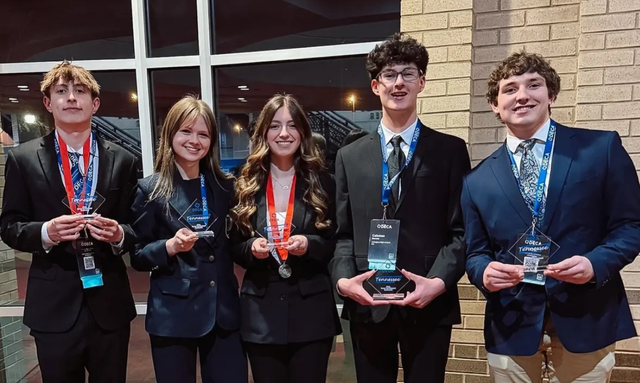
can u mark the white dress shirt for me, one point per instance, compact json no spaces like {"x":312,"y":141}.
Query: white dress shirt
{"x":538,"y":149}
{"x":407,"y":136}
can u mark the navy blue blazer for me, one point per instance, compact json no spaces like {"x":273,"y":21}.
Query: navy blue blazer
{"x":593,"y":209}
{"x":191,"y":291}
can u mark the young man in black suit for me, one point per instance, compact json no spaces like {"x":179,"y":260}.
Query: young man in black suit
{"x":79,"y":304}
{"x":425,"y":198}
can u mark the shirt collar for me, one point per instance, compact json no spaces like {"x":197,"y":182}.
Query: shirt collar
{"x":72,"y":150}
{"x":407,"y":134}
{"x":540,"y":134}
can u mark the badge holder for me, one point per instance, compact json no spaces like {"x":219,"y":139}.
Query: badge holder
{"x":533,"y":250}
{"x":388,"y":282}
{"x":85,"y":245}
{"x":277,"y":240}
{"x":193,"y":220}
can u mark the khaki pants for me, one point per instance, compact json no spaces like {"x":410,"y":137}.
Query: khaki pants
{"x":554,"y":362}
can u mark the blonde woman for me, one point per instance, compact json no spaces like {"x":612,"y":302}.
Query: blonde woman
{"x":289,"y":316}
{"x":179,"y":214}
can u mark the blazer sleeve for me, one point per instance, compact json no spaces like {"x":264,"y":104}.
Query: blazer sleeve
{"x":343,"y":264}
{"x":17,"y":229}
{"x":321,"y":247}
{"x":621,"y":244}
{"x":124,"y":210}
{"x":479,"y":253}
{"x":150,"y":251}
{"x":449,"y":264}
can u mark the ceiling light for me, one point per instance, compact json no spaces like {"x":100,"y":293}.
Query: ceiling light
{"x":134,"y":97}
{"x":15,"y":101}
{"x":244,"y":89}
{"x":29,"y":118}
{"x":23,"y":87}
{"x":242,"y":86}
{"x":12,"y":99}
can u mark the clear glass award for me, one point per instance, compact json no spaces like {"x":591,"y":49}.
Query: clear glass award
{"x":86,"y":205}
{"x":533,"y":250}
{"x":277,"y":233}
{"x":195,"y":219}
{"x":387,"y":283}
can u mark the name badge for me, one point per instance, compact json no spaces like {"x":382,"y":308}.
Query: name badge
{"x":90,"y":273}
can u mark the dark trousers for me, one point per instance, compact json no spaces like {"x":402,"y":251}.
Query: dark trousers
{"x":424,"y":350}
{"x":222,"y":358}
{"x":290,"y":363}
{"x":63,"y":357}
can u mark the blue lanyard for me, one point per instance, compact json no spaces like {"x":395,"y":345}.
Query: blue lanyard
{"x":386,"y":183}
{"x":88,"y":180}
{"x":205,"y":205}
{"x":542,"y":176}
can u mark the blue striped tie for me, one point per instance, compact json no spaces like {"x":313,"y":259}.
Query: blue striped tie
{"x":76,"y":175}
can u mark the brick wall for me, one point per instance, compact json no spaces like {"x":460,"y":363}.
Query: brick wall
{"x":595,"y":47}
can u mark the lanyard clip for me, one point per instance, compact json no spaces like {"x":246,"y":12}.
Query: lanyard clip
{"x":384,"y":210}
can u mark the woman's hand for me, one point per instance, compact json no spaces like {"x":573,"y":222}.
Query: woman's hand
{"x":182,"y":241}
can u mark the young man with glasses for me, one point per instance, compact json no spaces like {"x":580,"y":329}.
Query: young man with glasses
{"x":421,"y":170}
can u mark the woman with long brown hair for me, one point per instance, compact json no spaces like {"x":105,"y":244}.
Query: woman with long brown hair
{"x":179,"y":217}
{"x":283,"y":229}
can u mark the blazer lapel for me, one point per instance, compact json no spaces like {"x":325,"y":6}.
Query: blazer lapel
{"x":561,"y":159}
{"x":299,"y":209}
{"x":501,"y":167}
{"x":422,"y":150}
{"x":49,"y":163}
{"x":105,"y":168}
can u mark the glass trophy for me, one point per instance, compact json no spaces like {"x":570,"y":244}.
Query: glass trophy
{"x":277,"y":233}
{"x":85,"y":245}
{"x":193,"y":219}
{"x":533,"y":250}
{"x":387,"y":283}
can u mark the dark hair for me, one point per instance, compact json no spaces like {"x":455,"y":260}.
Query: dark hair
{"x":352,"y":136}
{"x":320,"y":141}
{"x":518,"y":64}
{"x":398,"y":48}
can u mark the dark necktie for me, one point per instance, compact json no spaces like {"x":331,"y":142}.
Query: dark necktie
{"x":395,"y":161}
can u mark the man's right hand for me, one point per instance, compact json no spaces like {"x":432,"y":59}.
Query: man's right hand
{"x":352,"y":288}
{"x":498,"y":276}
{"x":65,"y":228}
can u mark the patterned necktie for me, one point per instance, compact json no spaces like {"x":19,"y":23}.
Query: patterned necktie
{"x":395,"y":161}
{"x":529,"y":173}
{"x":76,"y":175}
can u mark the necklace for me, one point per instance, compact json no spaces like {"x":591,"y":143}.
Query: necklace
{"x":285,"y":187}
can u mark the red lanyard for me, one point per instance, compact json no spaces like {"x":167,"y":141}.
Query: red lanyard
{"x":66,"y":173}
{"x":271,"y":210}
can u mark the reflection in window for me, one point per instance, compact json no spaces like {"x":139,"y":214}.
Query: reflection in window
{"x":335,"y":93}
{"x":43,"y":30}
{"x":167,"y":87}
{"x":173,"y":28}
{"x":24,"y":118}
{"x":249,"y":25}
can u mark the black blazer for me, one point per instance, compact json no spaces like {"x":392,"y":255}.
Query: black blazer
{"x":193,"y":290}
{"x":33,"y":195}
{"x":431,"y":240}
{"x":298,"y":309}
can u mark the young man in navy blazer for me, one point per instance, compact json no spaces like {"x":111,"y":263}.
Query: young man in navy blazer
{"x":580,"y":190}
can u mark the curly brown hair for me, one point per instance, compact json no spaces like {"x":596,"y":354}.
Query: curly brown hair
{"x":520,"y":63}
{"x":398,"y":48}
{"x":308,"y":163}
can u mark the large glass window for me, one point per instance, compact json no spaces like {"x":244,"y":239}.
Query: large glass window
{"x":335,"y":93}
{"x":44,"y":30}
{"x":167,"y":87}
{"x":173,"y":28}
{"x":249,"y":25}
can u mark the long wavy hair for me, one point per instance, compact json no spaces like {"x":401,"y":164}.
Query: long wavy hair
{"x":184,"y":113}
{"x":308,"y":165}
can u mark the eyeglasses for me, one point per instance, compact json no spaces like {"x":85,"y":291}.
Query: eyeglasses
{"x":408,"y":75}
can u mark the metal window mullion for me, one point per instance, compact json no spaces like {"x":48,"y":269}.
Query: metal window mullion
{"x":142,"y":84}
{"x":204,"y":49}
